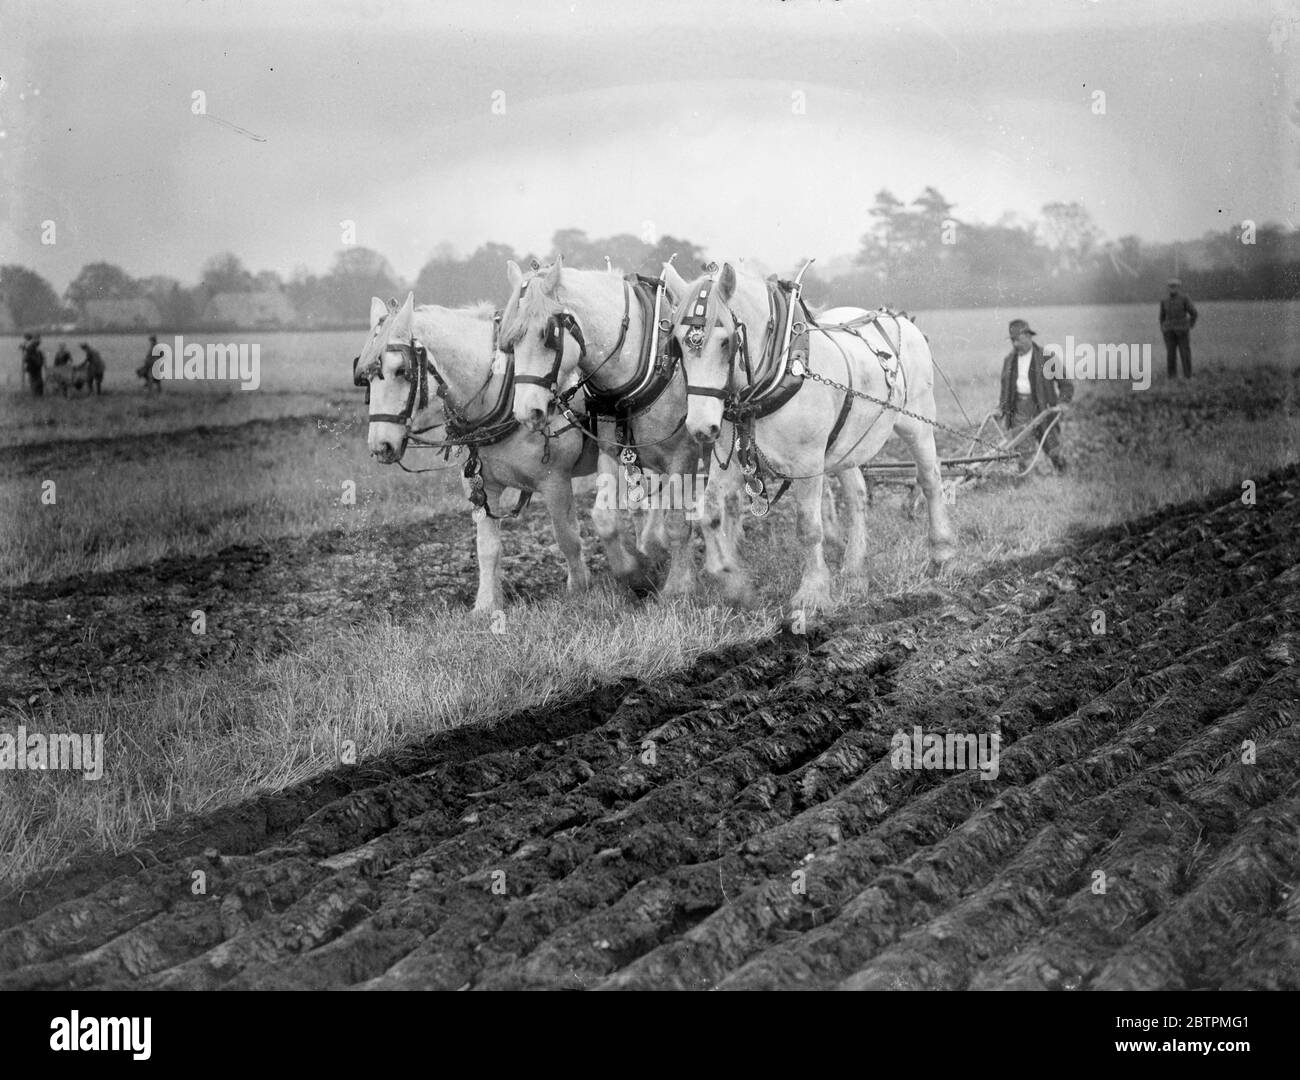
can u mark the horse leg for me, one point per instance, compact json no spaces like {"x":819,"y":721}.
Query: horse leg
{"x":830,"y":513}
{"x":814,"y":593}
{"x":855,"y":506}
{"x":920,"y":439}
{"x":720,"y":516}
{"x":488,"y":543}
{"x":681,"y":568}
{"x":558,"y":493}
{"x":624,"y":560}
{"x":652,"y":541}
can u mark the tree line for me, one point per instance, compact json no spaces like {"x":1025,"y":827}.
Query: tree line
{"x":922,"y":255}
{"x":913,"y":255}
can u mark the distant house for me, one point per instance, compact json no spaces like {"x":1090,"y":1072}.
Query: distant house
{"x":250,"y":310}
{"x":7,"y":324}
{"x":138,"y":314}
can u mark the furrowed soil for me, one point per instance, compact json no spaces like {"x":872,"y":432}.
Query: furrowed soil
{"x":742,"y":825}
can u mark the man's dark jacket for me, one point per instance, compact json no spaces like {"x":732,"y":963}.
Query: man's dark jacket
{"x":1045,"y":392}
{"x":1177,"y":314}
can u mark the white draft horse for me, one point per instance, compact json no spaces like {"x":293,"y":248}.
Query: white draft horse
{"x":409,"y":347}
{"x":888,"y":359}
{"x":557,"y":304}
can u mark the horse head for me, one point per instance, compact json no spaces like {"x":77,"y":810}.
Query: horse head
{"x":545,"y":339}
{"x":393,"y":367}
{"x":706,"y":330}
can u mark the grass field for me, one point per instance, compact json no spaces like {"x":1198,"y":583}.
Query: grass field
{"x":192,"y":474}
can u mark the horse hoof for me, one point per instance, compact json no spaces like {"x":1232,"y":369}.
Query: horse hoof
{"x":579,"y":584}
{"x":739,"y":595}
{"x":941,"y":554}
{"x":934,"y":568}
{"x":810,"y":602}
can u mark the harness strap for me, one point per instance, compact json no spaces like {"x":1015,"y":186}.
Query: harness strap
{"x":708,"y":391}
{"x":615,"y":351}
{"x":525,"y":497}
{"x":845,"y":408}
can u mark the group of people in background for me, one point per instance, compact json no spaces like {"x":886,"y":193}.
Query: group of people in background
{"x":66,"y":374}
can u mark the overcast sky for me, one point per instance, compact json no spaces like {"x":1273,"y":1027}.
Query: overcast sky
{"x":676,"y":113}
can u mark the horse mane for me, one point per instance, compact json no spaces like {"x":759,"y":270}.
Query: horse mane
{"x":480,"y":309}
{"x":536,"y":306}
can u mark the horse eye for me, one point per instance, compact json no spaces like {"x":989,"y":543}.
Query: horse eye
{"x":724,"y":341}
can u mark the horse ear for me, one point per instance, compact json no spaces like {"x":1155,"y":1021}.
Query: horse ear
{"x":402,"y":319}
{"x":513,"y":274}
{"x":674,"y":283}
{"x":378,"y":309}
{"x":551,"y":277}
{"x":727,"y":283}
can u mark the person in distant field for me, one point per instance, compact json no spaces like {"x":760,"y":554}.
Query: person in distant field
{"x":1177,"y":317}
{"x":34,"y":364}
{"x":145,"y":370}
{"x":1027,"y":391}
{"x":62,"y":356}
{"x":94,"y":368}
{"x":22,"y":359}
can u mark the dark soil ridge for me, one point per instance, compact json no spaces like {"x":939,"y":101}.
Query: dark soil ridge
{"x":34,"y":457}
{"x":1121,"y":756}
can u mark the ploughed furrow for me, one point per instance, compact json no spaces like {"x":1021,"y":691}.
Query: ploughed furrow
{"x":1018,"y":902}
{"x":431,"y":856}
{"x":1142,"y":870}
{"x":427,"y":806}
{"x":1150,"y":735}
{"x":1269,"y":957}
{"x":78,"y":896}
{"x":754,"y":822}
{"x":557,"y":879}
{"x":769,"y":910}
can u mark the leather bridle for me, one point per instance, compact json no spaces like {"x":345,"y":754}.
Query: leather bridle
{"x":417,"y":372}
{"x":696,"y":337}
{"x":553,"y":340}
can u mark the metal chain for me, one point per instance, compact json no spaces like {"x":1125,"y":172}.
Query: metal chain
{"x":808,"y":373}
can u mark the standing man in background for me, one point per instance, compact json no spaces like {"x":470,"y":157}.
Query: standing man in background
{"x":1177,"y":317}
{"x":145,"y":370}
{"x":34,"y":364}
{"x":22,"y":358}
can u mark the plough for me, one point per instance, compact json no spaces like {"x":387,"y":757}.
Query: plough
{"x":969,"y":468}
